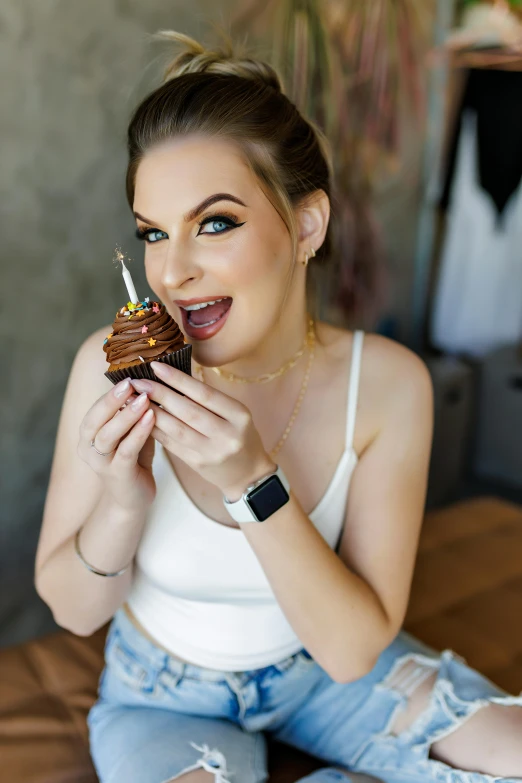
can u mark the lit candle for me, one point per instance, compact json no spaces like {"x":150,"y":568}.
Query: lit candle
{"x":133,"y":296}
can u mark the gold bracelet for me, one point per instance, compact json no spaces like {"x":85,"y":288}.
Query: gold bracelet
{"x":88,"y":565}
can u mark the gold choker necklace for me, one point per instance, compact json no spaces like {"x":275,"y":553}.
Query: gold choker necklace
{"x":228,"y":376}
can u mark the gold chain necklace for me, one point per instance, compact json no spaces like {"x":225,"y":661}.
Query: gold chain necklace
{"x":269,"y":376}
{"x":299,"y":398}
{"x":310,"y":342}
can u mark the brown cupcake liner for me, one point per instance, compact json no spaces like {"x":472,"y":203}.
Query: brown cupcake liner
{"x":179,"y":359}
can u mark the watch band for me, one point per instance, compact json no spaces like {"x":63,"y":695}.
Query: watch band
{"x":261,"y":499}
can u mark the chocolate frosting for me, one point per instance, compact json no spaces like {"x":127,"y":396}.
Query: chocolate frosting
{"x":128,"y":342}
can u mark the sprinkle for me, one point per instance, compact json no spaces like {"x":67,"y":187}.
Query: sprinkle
{"x":110,"y":335}
{"x":131,"y":306}
{"x":145,"y":329}
{"x":155,"y":309}
{"x":152,"y":341}
{"x":123,"y":310}
{"x":141,"y":357}
{"x":130,"y":316}
{"x":105,"y":341}
{"x":141,"y":312}
{"x":147,"y":299}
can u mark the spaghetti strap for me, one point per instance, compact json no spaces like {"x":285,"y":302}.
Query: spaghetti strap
{"x":353,"y":387}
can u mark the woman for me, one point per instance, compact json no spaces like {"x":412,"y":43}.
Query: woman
{"x":225,"y":630}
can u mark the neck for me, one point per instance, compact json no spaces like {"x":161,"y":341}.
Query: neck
{"x":275,"y":351}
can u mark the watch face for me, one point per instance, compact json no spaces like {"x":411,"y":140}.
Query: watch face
{"x":267,"y":498}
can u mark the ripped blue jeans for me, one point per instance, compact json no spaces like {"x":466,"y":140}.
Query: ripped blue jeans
{"x":157,"y":718}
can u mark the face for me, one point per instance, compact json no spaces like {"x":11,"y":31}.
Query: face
{"x":237,"y":247}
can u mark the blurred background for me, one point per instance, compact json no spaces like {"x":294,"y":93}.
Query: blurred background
{"x":425,"y":119}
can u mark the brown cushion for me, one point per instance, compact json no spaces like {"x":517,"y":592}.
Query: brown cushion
{"x":467,"y":594}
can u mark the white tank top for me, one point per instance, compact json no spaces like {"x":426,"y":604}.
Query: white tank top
{"x":198,"y":587}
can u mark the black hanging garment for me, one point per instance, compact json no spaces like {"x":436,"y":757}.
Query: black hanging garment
{"x":496,"y":97}
{"x":477,"y":302}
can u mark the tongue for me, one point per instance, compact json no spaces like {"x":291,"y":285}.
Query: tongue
{"x":210,"y":312}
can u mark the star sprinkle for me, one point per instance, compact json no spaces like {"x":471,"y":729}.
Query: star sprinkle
{"x":131,"y":306}
{"x":155,"y":309}
{"x":147,"y":299}
{"x":151,"y":341}
{"x":141,"y":312}
{"x":145,"y":330}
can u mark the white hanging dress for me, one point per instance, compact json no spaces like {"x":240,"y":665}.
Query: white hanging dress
{"x":478,"y":298}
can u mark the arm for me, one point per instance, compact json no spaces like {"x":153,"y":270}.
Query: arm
{"x":347,"y":608}
{"x":80,"y":600}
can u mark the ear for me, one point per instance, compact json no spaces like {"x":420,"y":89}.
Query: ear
{"x":313,"y":215}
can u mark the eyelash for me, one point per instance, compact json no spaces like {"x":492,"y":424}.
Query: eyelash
{"x":142,"y":233}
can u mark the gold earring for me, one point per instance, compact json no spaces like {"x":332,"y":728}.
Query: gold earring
{"x":305,"y":263}
{"x":312,"y":252}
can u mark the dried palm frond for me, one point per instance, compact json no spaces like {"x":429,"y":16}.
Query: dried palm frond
{"x":351,"y":66}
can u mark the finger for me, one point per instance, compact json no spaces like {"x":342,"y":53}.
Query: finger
{"x":109,"y":436}
{"x":174,"y":434}
{"x":186,"y":410}
{"x":104,"y":409}
{"x":221,"y":404}
{"x":128,"y":452}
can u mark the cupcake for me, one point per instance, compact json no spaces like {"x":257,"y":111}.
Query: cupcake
{"x":142,"y":333}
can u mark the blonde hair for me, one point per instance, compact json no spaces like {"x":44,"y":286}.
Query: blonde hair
{"x":221,"y":92}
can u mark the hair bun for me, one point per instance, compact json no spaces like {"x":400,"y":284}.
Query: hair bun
{"x":225,"y":59}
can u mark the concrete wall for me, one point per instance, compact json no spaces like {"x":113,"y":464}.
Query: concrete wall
{"x":72,"y":73}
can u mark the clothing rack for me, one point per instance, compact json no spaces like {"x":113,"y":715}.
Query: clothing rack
{"x":433,"y":155}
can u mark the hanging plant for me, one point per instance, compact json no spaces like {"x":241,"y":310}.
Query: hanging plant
{"x":351,"y":66}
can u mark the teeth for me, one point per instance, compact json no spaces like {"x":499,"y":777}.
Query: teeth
{"x":199,"y":326}
{"x":201,"y":304}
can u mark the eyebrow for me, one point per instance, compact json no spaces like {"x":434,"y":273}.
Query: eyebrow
{"x":200,"y":207}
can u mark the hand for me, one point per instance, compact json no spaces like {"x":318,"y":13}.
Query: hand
{"x":211,"y":432}
{"x":124,"y":434}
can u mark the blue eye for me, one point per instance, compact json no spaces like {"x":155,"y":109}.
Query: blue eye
{"x":144,"y":233}
{"x":216,"y":230}
{"x":226,"y":223}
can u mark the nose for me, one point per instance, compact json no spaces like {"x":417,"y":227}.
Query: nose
{"x":178,"y":268}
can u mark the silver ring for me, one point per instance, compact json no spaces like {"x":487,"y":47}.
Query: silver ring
{"x":100,"y":452}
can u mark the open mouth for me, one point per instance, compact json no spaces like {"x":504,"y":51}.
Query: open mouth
{"x":206,"y":321}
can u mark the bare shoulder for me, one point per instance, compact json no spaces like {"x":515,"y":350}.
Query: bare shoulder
{"x":86,"y":380}
{"x":381,"y":354}
{"x":393,"y":363}
{"x":396,"y":383}
{"x":91,"y":354}
{"x":394,"y":380}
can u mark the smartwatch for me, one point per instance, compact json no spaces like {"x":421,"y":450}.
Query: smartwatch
{"x":261,"y":499}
